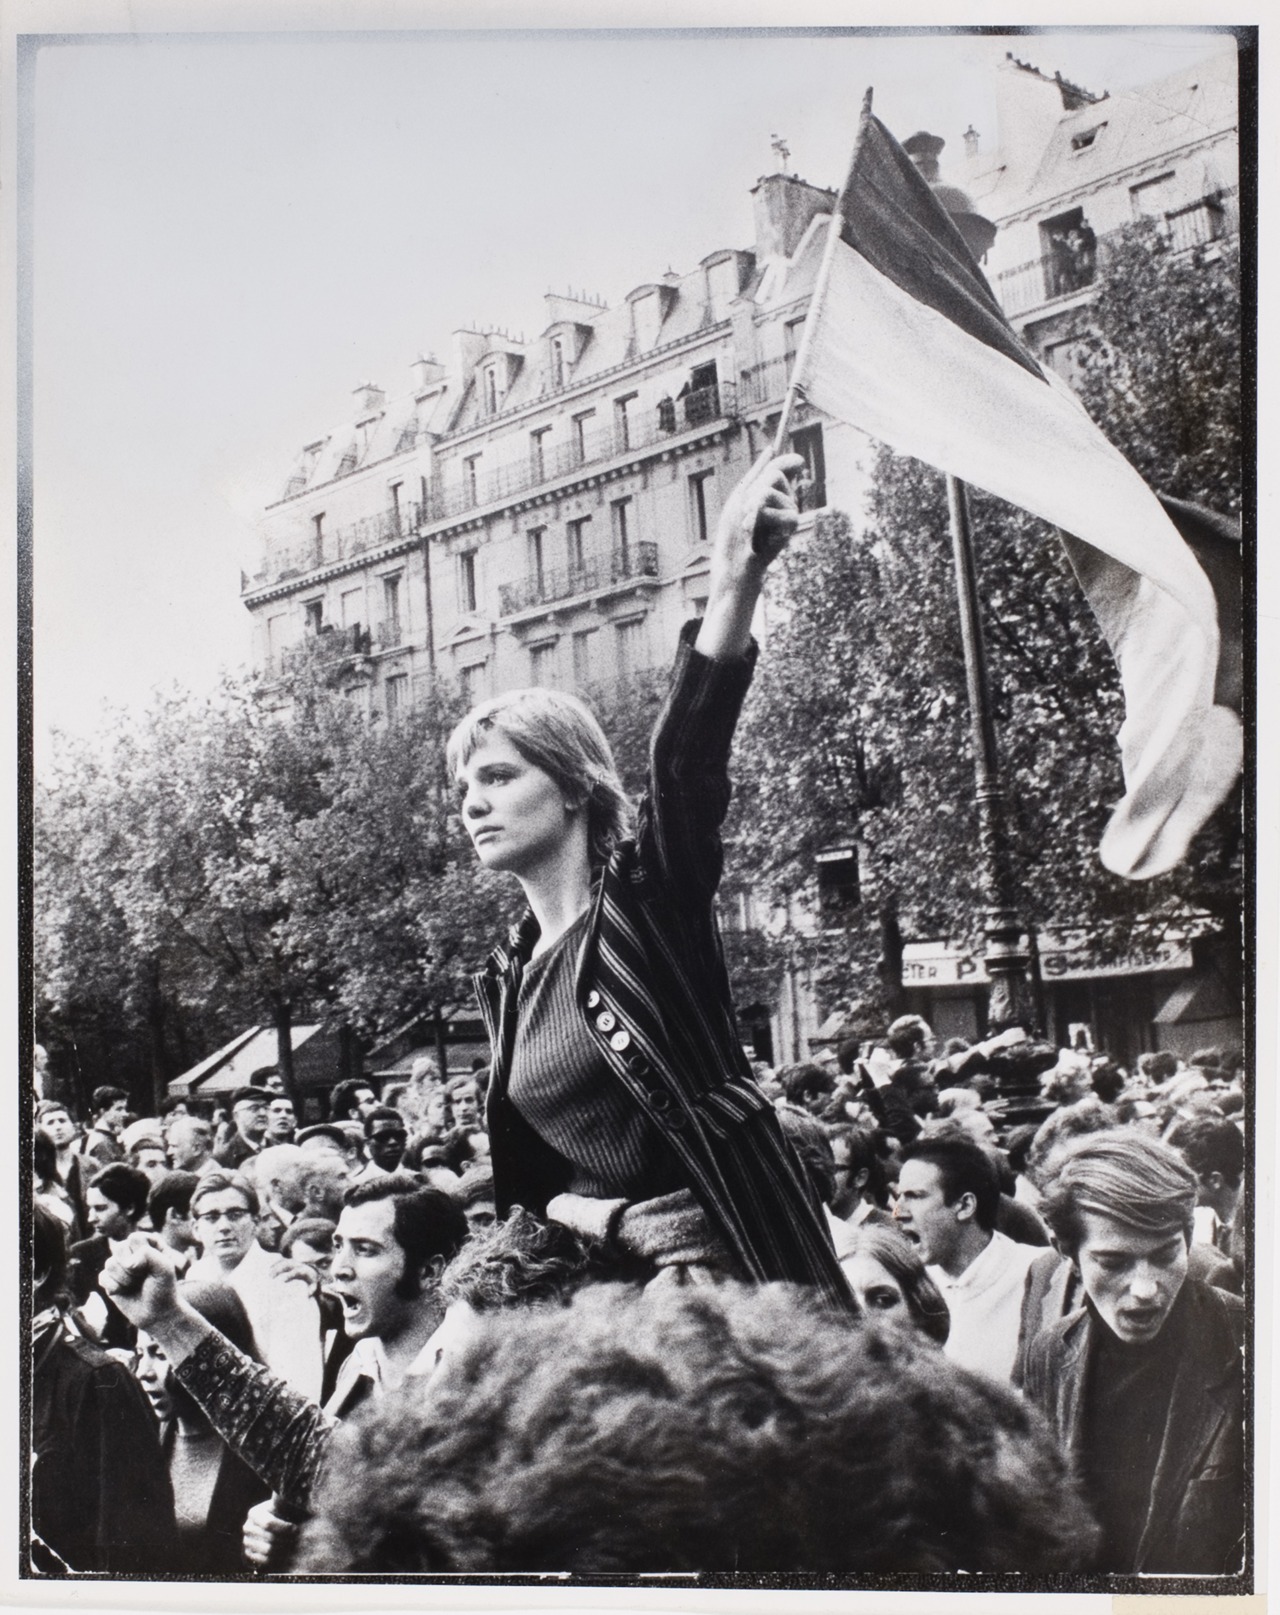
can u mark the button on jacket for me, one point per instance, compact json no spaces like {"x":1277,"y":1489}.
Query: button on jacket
{"x":653,"y":987}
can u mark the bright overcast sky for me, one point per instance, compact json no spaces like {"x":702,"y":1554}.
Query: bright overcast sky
{"x":231,"y":234}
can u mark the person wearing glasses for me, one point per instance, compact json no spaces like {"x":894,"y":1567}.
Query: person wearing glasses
{"x":281,"y":1308}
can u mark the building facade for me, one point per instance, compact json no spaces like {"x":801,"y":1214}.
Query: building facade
{"x":1070,"y":167}
{"x":539,"y":512}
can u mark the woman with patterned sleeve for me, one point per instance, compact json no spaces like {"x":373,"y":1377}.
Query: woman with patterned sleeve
{"x":621,"y":1101}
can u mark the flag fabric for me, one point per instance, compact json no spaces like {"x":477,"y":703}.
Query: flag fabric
{"x":909,"y":344}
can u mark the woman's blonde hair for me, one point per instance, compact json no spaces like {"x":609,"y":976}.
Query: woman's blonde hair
{"x":559,"y":734}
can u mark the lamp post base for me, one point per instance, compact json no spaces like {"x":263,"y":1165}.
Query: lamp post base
{"x":1009,"y":1001}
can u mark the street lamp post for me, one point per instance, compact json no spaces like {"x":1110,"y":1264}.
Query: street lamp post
{"x":1009,"y":1000}
{"x":1006,"y":959}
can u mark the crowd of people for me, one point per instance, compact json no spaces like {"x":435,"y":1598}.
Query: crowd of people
{"x":259,"y":1346}
{"x":634,"y":1307}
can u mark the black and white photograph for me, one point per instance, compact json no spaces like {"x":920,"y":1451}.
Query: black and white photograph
{"x":637,"y":830}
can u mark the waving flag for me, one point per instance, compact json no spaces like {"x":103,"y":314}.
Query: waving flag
{"x":906,"y":341}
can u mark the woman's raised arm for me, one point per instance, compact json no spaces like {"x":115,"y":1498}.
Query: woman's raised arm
{"x":755,"y":526}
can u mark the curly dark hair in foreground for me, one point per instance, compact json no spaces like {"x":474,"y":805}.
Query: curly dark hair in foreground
{"x":719,"y":1428}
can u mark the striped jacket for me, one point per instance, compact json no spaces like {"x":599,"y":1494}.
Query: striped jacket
{"x":653,"y":987}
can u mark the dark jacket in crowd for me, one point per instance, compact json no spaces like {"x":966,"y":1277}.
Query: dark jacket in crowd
{"x":88,"y":1258}
{"x":234,"y":1153}
{"x":653,"y":988}
{"x":100,"y":1495}
{"x":1194,"y":1523}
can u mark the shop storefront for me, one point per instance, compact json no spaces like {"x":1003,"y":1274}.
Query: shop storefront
{"x":1150,"y":997}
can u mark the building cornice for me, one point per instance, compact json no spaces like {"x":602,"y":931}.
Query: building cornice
{"x":480,"y":429}
{"x":482,"y":516}
{"x":1033,"y":211}
{"x":282,"y":587}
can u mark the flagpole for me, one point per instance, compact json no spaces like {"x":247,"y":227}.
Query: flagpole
{"x":794,"y":385}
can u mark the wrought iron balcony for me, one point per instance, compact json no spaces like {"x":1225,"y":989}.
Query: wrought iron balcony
{"x":544,"y":587}
{"x":1211,"y":219}
{"x":703,"y":407}
{"x":1041,"y":280}
{"x":443,"y":501}
{"x":765,"y":383}
{"x":341,"y":543}
{"x":1062,"y":272}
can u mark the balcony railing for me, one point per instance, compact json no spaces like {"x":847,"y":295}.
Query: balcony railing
{"x":703,"y":407}
{"x":541,"y":588}
{"x":1044,"y":279}
{"x":340,"y":543}
{"x":1212,"y":219}
{"x":672,"y":416}
{"x":765,"y":383}
{"x":1063,"y":272}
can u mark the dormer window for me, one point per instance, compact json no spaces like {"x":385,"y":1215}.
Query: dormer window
{"x":557,"y":361}
{"x":1085,"y":139}
{"x":491,"y":391}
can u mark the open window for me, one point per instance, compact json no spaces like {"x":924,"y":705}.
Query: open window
{"x":1070,"y":251}
{"x":813,"y":488}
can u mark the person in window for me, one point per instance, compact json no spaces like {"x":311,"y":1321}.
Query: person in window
{"x":621,"y":1102}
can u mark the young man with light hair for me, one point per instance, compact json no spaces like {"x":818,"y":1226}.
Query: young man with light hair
{"x":1144,"y":1385}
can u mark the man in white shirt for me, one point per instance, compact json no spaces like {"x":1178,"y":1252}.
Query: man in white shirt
{"x":948,"y":1192}
{"x":282,"y":1310}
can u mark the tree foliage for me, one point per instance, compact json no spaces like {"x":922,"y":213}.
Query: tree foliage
{"x":219,"y":861}
{"x":1160,"y":363}
{"x":858,"y":729}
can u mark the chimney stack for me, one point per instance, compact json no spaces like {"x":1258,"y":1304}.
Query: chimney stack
{"x":784,"y":205}
{"x":427,"y":372}
{"x":370,"y":399}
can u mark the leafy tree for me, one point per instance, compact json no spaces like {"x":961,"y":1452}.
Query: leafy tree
{"x":105,"y":1010}
{"x":226,"y":861}
{"x":1160,"y":363}
{"x":383,"y":884}
{"x":857,"y":731}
